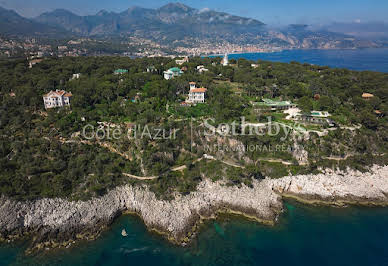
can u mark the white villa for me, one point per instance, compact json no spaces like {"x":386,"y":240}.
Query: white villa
{"x":76,"y":76}
{"x":58,"y":98}
{"x":182,"y":61}
{"x":172,"y":73}
{"x":196,"y":95}
{"x":151,"y":69}
{"x":33,"y":62}
{"x":202,"y":69}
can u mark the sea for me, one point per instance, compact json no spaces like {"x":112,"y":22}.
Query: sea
{"x":304,"y":235}
{"x":373,"y":59}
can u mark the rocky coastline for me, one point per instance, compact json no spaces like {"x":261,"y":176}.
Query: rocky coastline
{"x":53,"y":223}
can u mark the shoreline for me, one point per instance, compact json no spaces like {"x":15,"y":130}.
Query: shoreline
{"x":57,"y":223}
{"x":335,"y":203}
{"x":292,"y":49}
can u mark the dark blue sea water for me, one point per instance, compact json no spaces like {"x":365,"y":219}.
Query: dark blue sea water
{"x":304,"y":236}
{"x":361,"y":59}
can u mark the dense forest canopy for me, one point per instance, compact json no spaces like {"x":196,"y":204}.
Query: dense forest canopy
{"x":41,"y":155}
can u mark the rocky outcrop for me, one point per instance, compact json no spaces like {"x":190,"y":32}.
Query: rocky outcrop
{"x":57,"y":222}
{"x":351,"y":187}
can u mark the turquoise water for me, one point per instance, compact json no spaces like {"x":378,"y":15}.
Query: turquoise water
{"x":361,"y":59}
{"x":304,"y":236}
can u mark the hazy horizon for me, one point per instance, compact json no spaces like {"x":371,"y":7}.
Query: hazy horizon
{"x":276,"y":13}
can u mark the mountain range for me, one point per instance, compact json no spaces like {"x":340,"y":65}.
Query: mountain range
{"x":12,"y":24}
{"x":174,"y":22}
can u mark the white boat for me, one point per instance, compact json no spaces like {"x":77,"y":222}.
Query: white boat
{"x":124,"y":233}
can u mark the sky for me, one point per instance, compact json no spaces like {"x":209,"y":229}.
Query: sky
{"x":272,"y":12}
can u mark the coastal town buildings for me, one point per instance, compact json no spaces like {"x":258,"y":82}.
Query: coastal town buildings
{"x":62,"y":48}
{"x":57,"y":98}
{"x":196,"y":95}
{"x":172,"y":73}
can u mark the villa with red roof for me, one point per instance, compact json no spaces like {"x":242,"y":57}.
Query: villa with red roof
{"x":58,"y":98}
{"x":196,"y":95}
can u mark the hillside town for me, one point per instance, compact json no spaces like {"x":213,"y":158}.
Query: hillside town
{"x":135,"y":47}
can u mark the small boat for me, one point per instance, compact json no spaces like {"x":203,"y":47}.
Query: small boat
{"x":124,"y":233}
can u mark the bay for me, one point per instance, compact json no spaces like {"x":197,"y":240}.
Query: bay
{"x":374,"y":59}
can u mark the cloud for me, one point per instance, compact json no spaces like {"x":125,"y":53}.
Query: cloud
{"x":203,"y":10}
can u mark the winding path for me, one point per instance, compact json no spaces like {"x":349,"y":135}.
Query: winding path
{"x":141,"y":177}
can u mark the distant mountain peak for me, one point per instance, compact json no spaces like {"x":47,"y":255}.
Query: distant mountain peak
{"x":8,"y":11}
{"x":102,"y":12}
{"x":204,"y":10}
{"x":177,"y":22}
{"x":173,"y":17}
{"x":176,"y":7}
{"x":12,"y":24}
{"x":61,"y":12}
{"x":134,"y":9}
{"x":298,"y":26}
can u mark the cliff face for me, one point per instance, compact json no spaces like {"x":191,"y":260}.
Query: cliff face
{"x":60,"y":220}
{"x":352,"y":187}
{"x":55,"y":222}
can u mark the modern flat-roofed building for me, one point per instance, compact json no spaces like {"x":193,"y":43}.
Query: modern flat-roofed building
{"x":315,"y":117}
{"x":275,"y":105}
{"x":120,"y":71}
{"x":172,"y":73}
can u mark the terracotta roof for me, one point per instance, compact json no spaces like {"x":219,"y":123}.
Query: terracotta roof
{"x":130,"y":125}
{"x":68,"y":94}
{"x":57,"y":93}
{"x":199,"y":90}
{"x":378,"y":112}
{"x":34,"y":61}
{"x":61,"y":93}
{"x":192,"y":82}
{"x":367,"y":95}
